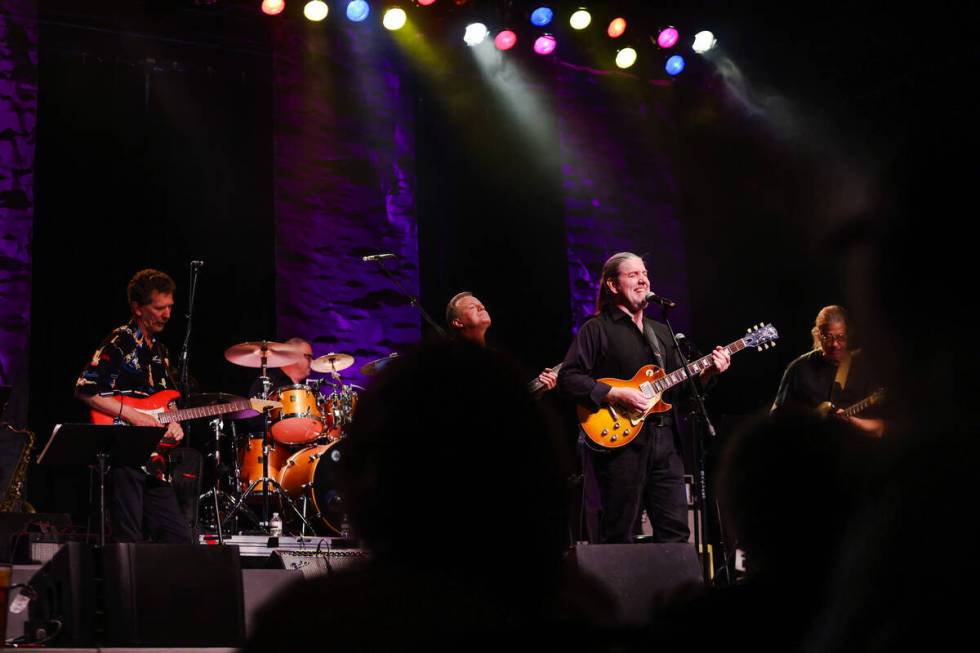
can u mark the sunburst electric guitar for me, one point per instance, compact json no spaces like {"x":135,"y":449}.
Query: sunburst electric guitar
{"x":159,"y":405}
{"x":611,"y":427}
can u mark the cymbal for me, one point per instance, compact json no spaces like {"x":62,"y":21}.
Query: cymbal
{"x":376,"y":366}
{"x":249,"y":354}
{"x":215,"y":398}
{"x":332,"y":362}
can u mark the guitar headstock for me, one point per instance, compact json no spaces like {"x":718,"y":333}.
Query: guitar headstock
{"x":264,"y":404}
{"x":762,"y":336}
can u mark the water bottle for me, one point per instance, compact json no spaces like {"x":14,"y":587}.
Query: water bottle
{"x":275,"y":525}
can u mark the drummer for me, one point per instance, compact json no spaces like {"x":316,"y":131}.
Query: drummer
{"x":291,"y":374}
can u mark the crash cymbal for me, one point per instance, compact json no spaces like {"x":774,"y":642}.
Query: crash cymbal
{"x":216,"y":398}
{"x":332,"y":362}
{"x":376,"y":366}
{"x":249,"y":354}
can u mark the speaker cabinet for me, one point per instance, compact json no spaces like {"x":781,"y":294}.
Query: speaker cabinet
{"x":637,"y":575}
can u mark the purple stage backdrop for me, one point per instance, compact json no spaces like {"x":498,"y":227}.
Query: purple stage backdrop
{"x":620,"y":194}
{"x":18,"y":114}
{"x":344,"y":188}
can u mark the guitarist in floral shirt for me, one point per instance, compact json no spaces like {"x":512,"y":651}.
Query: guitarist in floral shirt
{"x":132,"y":361}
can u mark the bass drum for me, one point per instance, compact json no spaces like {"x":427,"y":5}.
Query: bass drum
{"x":313,"y":473}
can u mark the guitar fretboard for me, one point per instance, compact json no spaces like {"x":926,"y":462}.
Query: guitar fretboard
{"x":864,"y":403}
{"x":203,"y":411}
{"x":680,"y":375}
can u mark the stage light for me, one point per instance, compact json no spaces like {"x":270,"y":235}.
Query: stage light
{"x":426,"y":3}
{"x":675,"y":65}
{"x":505,"y":40}
{"x":315,"y":10}
{"x":542,"y":16}
{"x":580,"y":19}
{"x":273,"y":7}
{"x":616,"y":28}
{"x":704,"y":41}
{"x":626,"y":57}
{"x":394,"y":19}
{"x":475,"y":34}
{"x":358,"y":10}
{"x":545,"y":44}
{"x":667,"y":38}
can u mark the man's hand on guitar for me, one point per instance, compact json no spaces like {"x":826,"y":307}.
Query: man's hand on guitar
{"x":548,"y":378}
{"x":138,"y":418}
{"x":628,"y":398}
{"x":721,"y":360}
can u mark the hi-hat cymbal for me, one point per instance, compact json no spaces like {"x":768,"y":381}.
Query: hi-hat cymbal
{"x":332,"y":362}
{"x":249,"y":354}
{"x":375,"y":366}
{"x":216,"y":398}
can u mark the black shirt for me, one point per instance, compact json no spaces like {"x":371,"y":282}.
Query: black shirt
{"x":808,"y":382}
{"x":611,"y":345}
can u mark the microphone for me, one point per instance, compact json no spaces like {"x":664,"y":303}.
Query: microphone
{"x":378,"y":257}
{"x":654,"y":298}
{"x":197,"y":265}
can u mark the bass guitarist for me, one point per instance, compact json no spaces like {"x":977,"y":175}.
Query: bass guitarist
{"x":133,"y":361}
{"x":648,"y":473}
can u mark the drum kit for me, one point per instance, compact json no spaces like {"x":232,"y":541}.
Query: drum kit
{"x":290,"y":466}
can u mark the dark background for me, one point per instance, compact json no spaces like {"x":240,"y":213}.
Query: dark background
{"x":152,"y":165}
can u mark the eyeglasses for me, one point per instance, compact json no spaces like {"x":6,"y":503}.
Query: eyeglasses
{"x":833,"y":337}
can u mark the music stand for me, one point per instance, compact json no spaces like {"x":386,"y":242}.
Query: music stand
{"x":122,"y":445}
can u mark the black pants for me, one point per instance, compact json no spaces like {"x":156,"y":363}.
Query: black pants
{"x":143,"y":507}
{"x":646,"y":474}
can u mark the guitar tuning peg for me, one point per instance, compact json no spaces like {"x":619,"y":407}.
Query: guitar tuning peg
{"x":760,"y":325}
{"x":758,"y":348}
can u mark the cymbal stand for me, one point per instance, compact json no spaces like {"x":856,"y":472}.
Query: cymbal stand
{"x":215,"y":494}
{"x":266,"y":482}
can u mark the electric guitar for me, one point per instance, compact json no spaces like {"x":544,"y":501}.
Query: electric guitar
{"x":611,"y":427}
{"x":827,"y":408}
{"x":158,"y":405}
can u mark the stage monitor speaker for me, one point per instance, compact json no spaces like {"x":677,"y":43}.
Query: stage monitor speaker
{"x":172,"y":595}
{"x":637,"y":575}
{"x":62,"y":607}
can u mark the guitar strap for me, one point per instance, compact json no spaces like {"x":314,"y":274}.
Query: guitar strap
{"x":655,"y":346}
{"x":840,"y":380}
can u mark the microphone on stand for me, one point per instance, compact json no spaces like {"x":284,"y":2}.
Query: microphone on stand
{"x":197,"y":265}
{"x":654,"y":298}
{"x":378,"y":257}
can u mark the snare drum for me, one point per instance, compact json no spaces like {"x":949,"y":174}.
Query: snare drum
{"x":313,"y":472}
{"x":250,"y":462}
{"x":299,"y":421}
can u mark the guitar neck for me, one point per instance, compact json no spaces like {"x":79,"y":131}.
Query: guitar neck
{"x":861,"y":405}
{"x":535,"y":384}
{"x":203,"y":411}
{"x":680,"y":375}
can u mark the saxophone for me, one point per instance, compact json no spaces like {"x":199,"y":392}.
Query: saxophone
{"x":12,"y":500}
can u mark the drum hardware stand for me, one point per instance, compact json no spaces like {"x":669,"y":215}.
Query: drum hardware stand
{"x":215,"y":493}
{"x":268,"y":483}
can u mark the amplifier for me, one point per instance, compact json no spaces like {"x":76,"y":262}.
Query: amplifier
{"x":318,"y":563}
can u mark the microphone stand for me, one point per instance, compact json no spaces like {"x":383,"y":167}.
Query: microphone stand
{"x":412,"y":300}
{"x":184,"y":381}
{"x":702,"y":425}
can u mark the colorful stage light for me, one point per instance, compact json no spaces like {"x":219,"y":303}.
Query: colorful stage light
{"x":505,"y":40}
{"x":315,"y":10}
{"x":675,"y":65}
{"x":616,"y":28}
{"x":704,"y":41}
{"x":358,"y":10}
{"x":580,"y":19}
{"x":476,"y":33}
{"x":626,"y":57}
{"x":394,"y":19}
{"x":542,"y":16}
{"x":426,"y":3}
{"x":273,"y":7}
{"x":545,"y":44}
{"x":667,"y":38}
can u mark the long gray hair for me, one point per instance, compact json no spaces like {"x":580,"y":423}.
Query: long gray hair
{"x":610,"y":270}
